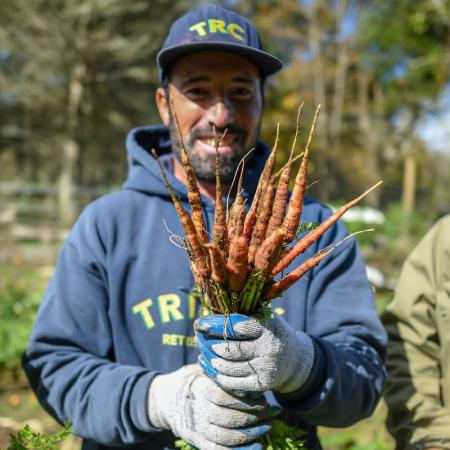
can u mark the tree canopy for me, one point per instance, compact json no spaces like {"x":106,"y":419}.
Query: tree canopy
{"x":76,"y":75}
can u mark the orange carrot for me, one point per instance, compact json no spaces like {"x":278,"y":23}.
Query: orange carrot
{"x":193,"y":190}
{"x":218,"y":263}
{"x":250,"y":220}
{"x":268,"y":252}
{"x":262,"y":221}
{"x":238,"y":208}
{"x":264,"y":205}
{"x":199,"y":281}
{"x":294,"y":159}
{"x":285,"y":283}
{"x":237,"y":217}
{"x":237,"y":263}
{"x":315,"y":234}
{"x":294,"y":212}
{"x":196,"y":251}
{"x":279,"y":203}
{"x":241,"y":214}
{"x":220,"y":231}
{"x":264,"y":179}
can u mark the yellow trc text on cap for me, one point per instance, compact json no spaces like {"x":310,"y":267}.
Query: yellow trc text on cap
{"x":218,"y":26}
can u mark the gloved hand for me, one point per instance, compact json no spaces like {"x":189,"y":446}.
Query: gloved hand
{"x":200,"y":412}
{"x":242,"y":354}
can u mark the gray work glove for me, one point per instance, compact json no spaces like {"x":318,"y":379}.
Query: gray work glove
{"x":242,"y":354}
{"x":200,"y":412}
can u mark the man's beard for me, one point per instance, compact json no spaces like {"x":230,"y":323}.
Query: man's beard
{"x":204,"y":164}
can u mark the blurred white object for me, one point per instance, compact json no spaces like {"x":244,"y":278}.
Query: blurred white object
{"x":364,"y":214}
{"x":377,"y":278}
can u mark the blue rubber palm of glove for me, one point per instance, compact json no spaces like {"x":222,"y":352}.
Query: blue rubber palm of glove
{"x":242,"y":354}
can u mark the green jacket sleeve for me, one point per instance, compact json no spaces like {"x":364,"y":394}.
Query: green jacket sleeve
{"x":418,"y":326}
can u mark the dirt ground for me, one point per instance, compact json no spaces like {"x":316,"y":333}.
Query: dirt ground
{"x":19,"y":406}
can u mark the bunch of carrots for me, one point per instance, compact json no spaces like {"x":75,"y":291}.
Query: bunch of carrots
{"x":236,"y":268}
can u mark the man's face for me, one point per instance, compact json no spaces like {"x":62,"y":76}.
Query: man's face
{"x":214,"y":89}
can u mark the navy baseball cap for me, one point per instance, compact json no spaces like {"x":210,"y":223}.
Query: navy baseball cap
{"x":215,"y":28}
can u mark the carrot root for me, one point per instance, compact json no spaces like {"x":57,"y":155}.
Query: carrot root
{"x":315,"y":234}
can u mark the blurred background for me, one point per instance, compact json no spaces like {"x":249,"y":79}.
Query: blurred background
{"x":77,"y":75}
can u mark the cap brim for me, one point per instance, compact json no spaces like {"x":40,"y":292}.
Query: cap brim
{"x":267,"y":63}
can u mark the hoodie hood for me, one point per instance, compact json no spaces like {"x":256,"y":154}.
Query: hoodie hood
{"x":145,"y":176}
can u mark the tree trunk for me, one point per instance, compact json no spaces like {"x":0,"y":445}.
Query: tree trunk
{"x":409,"y":183}
{"x":369,"y":135}
{"x":319,"y":88}
{"x":66,"y":195}
{"x":339,"y":78}
{"x":70,"y":148}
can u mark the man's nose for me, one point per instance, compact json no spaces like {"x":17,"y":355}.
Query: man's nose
{"x":220,"y":113}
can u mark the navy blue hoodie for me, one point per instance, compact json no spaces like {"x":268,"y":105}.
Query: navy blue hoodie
{"x":119,"y":310}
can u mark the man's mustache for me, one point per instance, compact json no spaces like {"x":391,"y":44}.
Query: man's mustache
{"x":207,"y":132}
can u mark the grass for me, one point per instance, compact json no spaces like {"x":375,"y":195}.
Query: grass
{"x":21,"y":406}
{"x":368,"y":434}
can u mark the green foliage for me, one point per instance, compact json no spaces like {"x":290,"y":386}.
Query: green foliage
{"x":367,"y":434}
{"x":305,"y":226}
{"x":349,"y":441}
{"x":400,"y":232}
{"x":410,"y":54}
{"x":265,"y":314}
{"x":283,"y":437}
{"x":280,"y":437}
{"x":108,"y":49}
{"x":364,"y":239}
{"x":400,"y":223}
{"x":17,"y":311}
{"x":27,"y":439}
{"x":391,"y":242}
{"x":183,"y":445}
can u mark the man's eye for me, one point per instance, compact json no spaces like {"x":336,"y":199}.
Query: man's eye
{"x":241,"y":92}
{"x":197,"y":92}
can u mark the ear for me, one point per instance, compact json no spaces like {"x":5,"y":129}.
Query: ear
{"x":162,"y":103}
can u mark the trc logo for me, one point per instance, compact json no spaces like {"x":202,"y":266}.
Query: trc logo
{"x":218,"y":26}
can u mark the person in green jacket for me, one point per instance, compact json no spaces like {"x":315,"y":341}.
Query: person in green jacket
{"x":418,"y":324}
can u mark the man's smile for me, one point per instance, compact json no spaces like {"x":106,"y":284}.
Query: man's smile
{"x":207,"y":144}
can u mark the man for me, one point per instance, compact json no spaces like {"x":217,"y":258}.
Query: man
{"x":418,"y":324}
{"x":113,"y":346}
